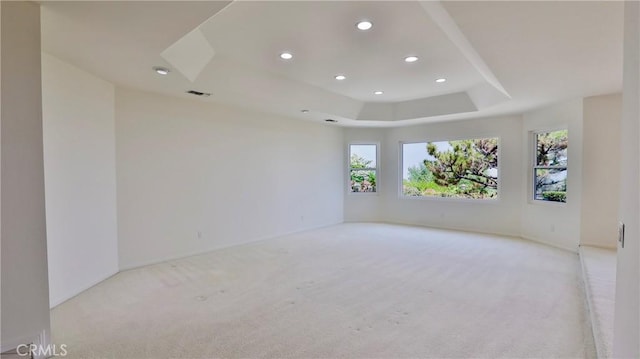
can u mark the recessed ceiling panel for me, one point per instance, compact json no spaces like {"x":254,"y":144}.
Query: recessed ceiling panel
{"x":324,"y":40}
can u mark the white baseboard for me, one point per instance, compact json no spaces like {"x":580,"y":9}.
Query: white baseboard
{"x":215,"y":248}
{"x":38,"y":339}
{"x":587,"y":292}
{"x":446,"y":228}
{"x":42,"y":341}
{"x":12,"y":344}
{"x":597,"y":280}
{"x":565,"y":246}
{"x":57,"y":301}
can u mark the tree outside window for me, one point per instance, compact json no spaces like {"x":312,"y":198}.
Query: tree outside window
{"x":550,"y":166}
{"x":363,"y":168}
{"x":453,"y":169}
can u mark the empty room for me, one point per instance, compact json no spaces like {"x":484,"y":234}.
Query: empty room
{"x":320,"y":179}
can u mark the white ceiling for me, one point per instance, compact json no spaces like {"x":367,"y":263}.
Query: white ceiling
{"x":498,"y":57}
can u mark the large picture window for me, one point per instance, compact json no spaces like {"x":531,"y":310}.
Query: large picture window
{"x":363,"y":170}
{"x":454,"y":169}
{"x":550,"y":166}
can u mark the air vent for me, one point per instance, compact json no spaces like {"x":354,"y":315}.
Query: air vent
{"x":198,"y":93}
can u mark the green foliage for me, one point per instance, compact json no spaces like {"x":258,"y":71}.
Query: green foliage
{"x":420,"y":188}
{"x":357,"y":176}
{"x":362,"y":179}
{"x":551,"y":148}
{"x":555,"y":196}
{"x":470,"y":166}
{"x":359,"y":162}
{"x":420,"y":173}
{"x":371,"y":177}
{"x":466,"y":170}
{"x":411,"y":191}
{"x":420,"y":182}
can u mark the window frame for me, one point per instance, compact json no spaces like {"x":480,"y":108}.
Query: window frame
{"x":534,"y":166}
{"x":376,"y":169}
{"x":401,"y":195}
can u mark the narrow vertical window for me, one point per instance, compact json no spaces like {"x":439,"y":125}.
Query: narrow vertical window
{"x":550,"y":166}
{"x":363,"y":168}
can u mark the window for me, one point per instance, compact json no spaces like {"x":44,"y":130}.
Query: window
{"x":550,"y":166}
{"x":453,"y":169}
{"x":363,"y":171}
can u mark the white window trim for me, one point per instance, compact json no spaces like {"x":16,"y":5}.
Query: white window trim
{"x":533,"y":149}
{"x":401,"y":195}
{"x":377,"y":168}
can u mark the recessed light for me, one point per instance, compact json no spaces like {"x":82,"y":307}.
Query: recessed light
{"x":304,"y":111}
{"x":364,"y":25}
{"x":441,"y":80}
{"x":340,"y":77}
{"x":378,"y":93}
{"x":161,"y":70}
{"x":330,"y":120}
{"x":286,"y":56}
{"x":411,"y":59}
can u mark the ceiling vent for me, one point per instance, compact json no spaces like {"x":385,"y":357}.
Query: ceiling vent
{"x":198,"y":93}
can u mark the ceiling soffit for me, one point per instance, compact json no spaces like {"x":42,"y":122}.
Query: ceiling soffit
{"x":238,"y":49}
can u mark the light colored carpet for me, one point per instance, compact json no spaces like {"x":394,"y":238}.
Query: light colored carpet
{"x":599,"y":268}
{"x":347,"y":291}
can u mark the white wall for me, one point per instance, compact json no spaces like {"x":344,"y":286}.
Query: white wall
{"x":627,"y":312}
{"x":80,"y":178}
{"x":25,"y":290}
{"x":2,"y":346}
{"x":600,"y":170}
{"x":187,"y":167}
{"x":590,"y":215}
{"x":500,"y":217}
{"x":554,"y":223}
